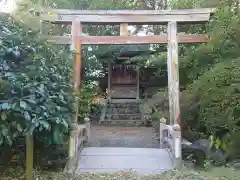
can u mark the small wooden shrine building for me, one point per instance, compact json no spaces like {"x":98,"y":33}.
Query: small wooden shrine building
{"x":123,"y":79}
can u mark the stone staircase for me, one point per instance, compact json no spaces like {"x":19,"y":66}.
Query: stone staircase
{"x":122,"y":112}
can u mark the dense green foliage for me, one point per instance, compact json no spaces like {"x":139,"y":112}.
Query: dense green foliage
{"x":214,"y":70}
{"x":35,"y":84}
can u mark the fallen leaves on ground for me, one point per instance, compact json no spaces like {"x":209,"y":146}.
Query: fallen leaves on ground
{"x":218,"y":174}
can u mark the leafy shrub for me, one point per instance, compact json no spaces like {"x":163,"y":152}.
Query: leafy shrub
{"x":210,"y":105}
{"x":86,"y":104}
{"x":217,"y":94}
{"x":35,"y":84}
{"x":223,"y":45}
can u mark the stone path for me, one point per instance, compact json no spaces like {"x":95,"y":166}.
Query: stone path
{"x":118,"y":136}
{"x":110,"y":159}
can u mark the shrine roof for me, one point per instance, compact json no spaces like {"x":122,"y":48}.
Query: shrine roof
{"x":125,"y":52}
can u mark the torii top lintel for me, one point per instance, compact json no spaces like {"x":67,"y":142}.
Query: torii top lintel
{"x":66,"y":16}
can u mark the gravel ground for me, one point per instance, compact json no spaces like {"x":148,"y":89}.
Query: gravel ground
{"x":101,"y":130}
{"x":119,"y":136}
{"x":216,"y":174}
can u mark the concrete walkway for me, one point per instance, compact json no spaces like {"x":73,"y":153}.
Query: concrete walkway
{"x":114,"y":159}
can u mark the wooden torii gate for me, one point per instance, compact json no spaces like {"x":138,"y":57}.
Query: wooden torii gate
{"x":77,"y":18}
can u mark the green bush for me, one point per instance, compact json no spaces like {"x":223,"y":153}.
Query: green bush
{"x":224,"y":33}
{"x":86,"y":105}
{"x":217,"y":98}
{"x":35,"y":85}
{"x":211,"y":103}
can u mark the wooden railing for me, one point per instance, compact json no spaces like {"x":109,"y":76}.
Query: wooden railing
{"x":170,"y":138}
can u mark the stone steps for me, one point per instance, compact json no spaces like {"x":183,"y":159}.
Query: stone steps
{"x":123,"y":105}
{"x":124,"y":116}
{"x":125,"y":123}
{"x":128,"y":110}
{"x":122,"y":112}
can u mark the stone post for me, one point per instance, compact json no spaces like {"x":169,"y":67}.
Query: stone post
{"x":177,"y":145}
{"x":162,"y":130}
{"x":88,"y":127}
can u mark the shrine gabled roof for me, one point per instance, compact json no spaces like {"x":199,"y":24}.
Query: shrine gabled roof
{"x":129,"y":52}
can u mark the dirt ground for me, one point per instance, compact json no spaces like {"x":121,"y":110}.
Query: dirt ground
{"x":99,"y":130}
{"x":120,"y":136}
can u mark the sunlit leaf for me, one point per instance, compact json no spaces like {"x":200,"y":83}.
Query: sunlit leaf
{"x":5,"y":106}
{"x":23,"y":104}
{"x":27,"y":116}
{"x":3,"y":115}
{"x":19,"y":128}
{"x":45,"y":124}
